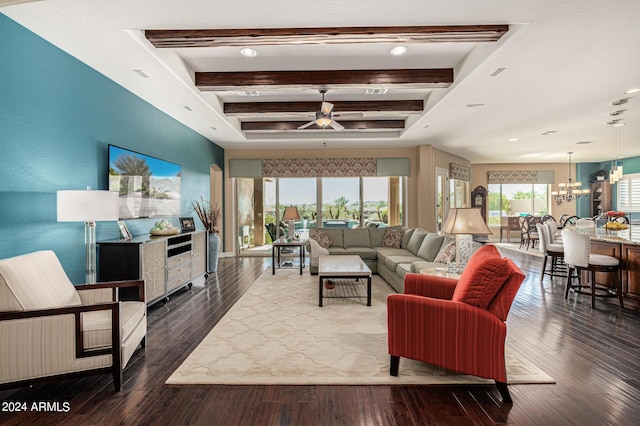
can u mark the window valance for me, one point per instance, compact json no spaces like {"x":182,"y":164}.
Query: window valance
{"x":521,"y":176}
{"x":460,"y":172}
{"x":319,"y":167}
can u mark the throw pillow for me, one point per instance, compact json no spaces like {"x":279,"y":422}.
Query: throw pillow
{"x":446,"y":254}
{"x":322,"y":239}
{"x":316,"y":248}
{"x":392,"y":238}
{"x":482,"y":277}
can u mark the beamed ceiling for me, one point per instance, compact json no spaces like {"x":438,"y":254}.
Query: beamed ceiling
{"x":273,"y":117}
{"x":493,"y":81}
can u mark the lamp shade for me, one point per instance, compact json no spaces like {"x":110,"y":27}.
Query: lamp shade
{"x":87,"y":206}
{"x":465,"y":221}
{"x":291,"y":213}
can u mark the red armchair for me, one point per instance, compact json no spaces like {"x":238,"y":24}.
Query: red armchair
{"x":457,"y":325}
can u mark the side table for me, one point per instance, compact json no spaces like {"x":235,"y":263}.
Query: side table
{"x":439,"y":272}
{"x":277,"y":246}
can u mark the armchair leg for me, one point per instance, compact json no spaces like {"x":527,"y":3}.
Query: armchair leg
{"x":504,"y":392}
{"x":143,"y":342}
{"x":394,"y":365}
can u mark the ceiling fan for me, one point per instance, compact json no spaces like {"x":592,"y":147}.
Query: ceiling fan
{"x":324,"y":117}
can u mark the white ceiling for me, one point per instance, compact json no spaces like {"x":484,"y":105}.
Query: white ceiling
{"x":565,"y":62}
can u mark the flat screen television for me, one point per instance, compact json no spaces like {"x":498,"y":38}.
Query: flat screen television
{"x":148,"y":186}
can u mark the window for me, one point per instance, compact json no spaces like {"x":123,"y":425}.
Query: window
{"x":517,"y":199}
{"x":629,"y":193}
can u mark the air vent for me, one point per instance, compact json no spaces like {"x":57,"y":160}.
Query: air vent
{"x":620,"y":101}
{"x":141,"y":73}
{"x":549,"y":132}
{"x":188,"y":108}
{"x":213,"y":128}
{"x":475,"y":105}
{"x":584,"y":142}
{"x":249,"y":93}
{"x":377,"y":91}
{"x":497,"y":72}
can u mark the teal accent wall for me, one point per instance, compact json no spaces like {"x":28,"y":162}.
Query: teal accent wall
{"x":57,"y":117}
{"x":585,"y":174}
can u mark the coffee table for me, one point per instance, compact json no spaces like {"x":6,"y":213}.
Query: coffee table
{"x":339,"y":266}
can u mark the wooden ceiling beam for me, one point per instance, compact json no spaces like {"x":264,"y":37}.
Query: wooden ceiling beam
{"x":239,"y":109}
{"x":327,"y":79}
{"x":326,"y":35}
{"x":279,"y":126}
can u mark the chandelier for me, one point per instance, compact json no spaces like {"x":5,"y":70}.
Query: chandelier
{"x":568,"y":191}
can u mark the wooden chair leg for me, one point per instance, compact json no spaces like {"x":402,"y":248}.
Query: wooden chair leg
{"x":544,"y":267}
{"x":618,"y":284}
{"x":504,"y":392}
{"x":569,"y":275}
{"x":394,"y":365}
{"x":593,"y":289}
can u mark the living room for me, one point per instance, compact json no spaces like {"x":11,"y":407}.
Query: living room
{"x":60,"y":114}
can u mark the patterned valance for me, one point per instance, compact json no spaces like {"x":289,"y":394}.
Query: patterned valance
{"x":512,"y":176}
{"x":319,"y":167}
{"x":460,"y":172}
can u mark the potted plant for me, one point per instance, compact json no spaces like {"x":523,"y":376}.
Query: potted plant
{"x":209,"y":215}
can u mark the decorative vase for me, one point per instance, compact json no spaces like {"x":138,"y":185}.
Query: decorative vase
{"x":214,"y":251}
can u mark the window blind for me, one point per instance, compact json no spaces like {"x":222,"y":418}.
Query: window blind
{"x":629,"y":193}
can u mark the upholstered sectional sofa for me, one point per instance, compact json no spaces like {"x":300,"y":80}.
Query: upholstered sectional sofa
{"x":418,"y":249}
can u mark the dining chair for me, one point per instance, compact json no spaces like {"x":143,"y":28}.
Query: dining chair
{"x":553,"y":251}
{"x":578,"y":257}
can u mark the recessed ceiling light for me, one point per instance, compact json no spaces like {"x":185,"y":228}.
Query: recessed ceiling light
{"x":620,"y":101}
{"x":514,"y":140}
{"x":620,"y":124}
{"x":248,"y":52}
{"x":398,"y":50}
{"x":632,"y":91}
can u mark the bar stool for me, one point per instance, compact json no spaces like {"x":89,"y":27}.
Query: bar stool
{"x":554,"y":251}
{"x":578,"y":257}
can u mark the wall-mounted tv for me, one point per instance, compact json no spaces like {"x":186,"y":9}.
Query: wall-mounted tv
{"x":148,"y":186}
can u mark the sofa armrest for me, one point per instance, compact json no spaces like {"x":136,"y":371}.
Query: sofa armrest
{"x":429,"y":286}
{"x":120,"y":291}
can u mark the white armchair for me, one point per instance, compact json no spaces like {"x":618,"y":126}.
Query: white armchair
{"x":51,"y":329}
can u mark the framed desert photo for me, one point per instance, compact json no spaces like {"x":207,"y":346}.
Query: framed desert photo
{"x":124,"y":231}
{"x":187,"y":224}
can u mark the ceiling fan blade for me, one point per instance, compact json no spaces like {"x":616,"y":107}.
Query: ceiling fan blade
{"x":349,"y":114}
{"x":335,"y":125}
{"x":326,"y":108}
{"x":309,"y":124}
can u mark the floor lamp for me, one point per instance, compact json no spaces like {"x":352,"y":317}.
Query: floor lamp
{"x":88,"y":207}
{"x":464,"y":223}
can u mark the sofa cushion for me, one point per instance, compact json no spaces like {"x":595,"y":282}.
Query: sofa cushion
{"x":392,"y":262}
{"x":447,"y":253}
{"x":377,"y":234}
{"x":403,"y":269}
{"x":406,"y":236}
{"x":363,"y":252}
{"x":356,"y":238}
{"x":392,"y":238}
{"x":417,"y":236}
{"x":483,"y":276}
{"x":388,"y":251}
{"x":430,"y":247}
{"x":337,"y":250}
{"x":335,"y":235}
{"x":35,"y":281}
{"x":96,"y":326}
{"x":321,"y":238}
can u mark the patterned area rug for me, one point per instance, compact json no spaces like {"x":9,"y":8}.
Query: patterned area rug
{"x":277,"y":334}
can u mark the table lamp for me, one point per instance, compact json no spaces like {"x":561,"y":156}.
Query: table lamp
{"x":464,"y":223}
{"x":291,"y":214}
{"x":88,"y":207}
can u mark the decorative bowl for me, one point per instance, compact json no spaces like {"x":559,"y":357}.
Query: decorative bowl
{"x":173,"y":231}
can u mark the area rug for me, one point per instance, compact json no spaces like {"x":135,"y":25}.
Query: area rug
{"x":277,"y":334}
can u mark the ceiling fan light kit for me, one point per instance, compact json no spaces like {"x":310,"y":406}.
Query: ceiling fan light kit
{"x":324,"y":117}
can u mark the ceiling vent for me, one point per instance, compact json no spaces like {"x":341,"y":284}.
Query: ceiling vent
{"x":378,"y":91}
{"x":475,"y":105}
{"x":549,"y":132}
{"x":141,"y":73}
{"x":249,"y":93}
{"x":584,"y":142}
{"x":620,"y":101}
{"x":497,"y":72}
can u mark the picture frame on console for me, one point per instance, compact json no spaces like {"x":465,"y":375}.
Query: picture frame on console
{"x":124,"y":231}
{"x":187,"y":224}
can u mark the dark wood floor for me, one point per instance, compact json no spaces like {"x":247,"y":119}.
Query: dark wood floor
{"x":592,"y":353}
